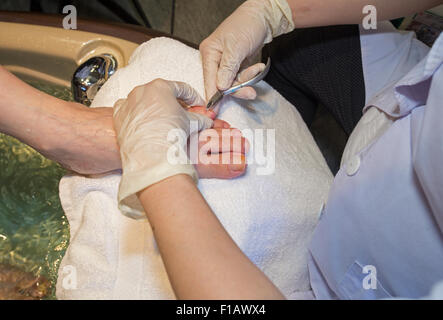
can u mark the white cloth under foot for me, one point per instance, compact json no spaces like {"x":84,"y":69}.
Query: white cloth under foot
{"x":271,"y":217}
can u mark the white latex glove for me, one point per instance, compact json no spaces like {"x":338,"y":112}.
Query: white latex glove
{"x":240,"y":36}
{"x":143,"y":122}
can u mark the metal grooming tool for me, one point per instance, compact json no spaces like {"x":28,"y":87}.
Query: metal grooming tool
{"x":218,"y":96}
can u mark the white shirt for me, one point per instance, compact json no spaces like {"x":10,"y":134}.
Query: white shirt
{"x":387,"y":55}
{"x":385,"y":208}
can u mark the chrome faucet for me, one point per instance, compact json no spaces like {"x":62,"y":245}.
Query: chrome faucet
{"x":91,"y":76}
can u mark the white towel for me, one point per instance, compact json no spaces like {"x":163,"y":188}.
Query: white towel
{"x":271,"y":217}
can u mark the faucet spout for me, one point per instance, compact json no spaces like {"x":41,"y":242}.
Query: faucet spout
{"x":91,"y":76}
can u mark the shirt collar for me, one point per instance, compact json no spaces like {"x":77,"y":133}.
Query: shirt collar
{"x":397,"y":100}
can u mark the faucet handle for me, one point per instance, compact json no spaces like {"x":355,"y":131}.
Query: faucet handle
{"x":90,"y":76}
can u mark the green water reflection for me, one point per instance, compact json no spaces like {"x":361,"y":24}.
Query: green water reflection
{"x":34,"y":232}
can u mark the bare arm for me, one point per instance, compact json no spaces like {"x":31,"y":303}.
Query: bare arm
{"x":79,"y":138}
{"x":315,"y":13}
{"x":201,"y":259}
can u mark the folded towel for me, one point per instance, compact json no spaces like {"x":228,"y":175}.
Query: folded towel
{"x":271,"y":217}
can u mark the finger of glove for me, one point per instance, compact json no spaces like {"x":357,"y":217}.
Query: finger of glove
{"x":203,"y":121}
{"x":229,"y":64}
{"x":119,"y":112}
{"x":249,"y":73}
{"x":248,"y":93}
{"x":211,"y":59}
{"x":186,"y":93}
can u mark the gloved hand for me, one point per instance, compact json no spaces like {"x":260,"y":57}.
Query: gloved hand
{"x":241,"y":35}
{"x":143,"y":122}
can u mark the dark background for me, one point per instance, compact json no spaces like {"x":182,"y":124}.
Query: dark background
{"x":194,"y":20}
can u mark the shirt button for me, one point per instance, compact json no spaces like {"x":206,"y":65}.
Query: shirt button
{"x":353,"y":165}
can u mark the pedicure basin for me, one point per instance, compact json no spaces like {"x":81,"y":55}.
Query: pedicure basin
{"x":34,"y":233}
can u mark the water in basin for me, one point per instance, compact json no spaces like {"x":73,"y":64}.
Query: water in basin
{"x":34,"y":232}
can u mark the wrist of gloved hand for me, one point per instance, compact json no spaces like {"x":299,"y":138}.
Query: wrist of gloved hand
{"x":278,"y":15}
{"x":147,"y":123}
{"x":239,"y":37}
